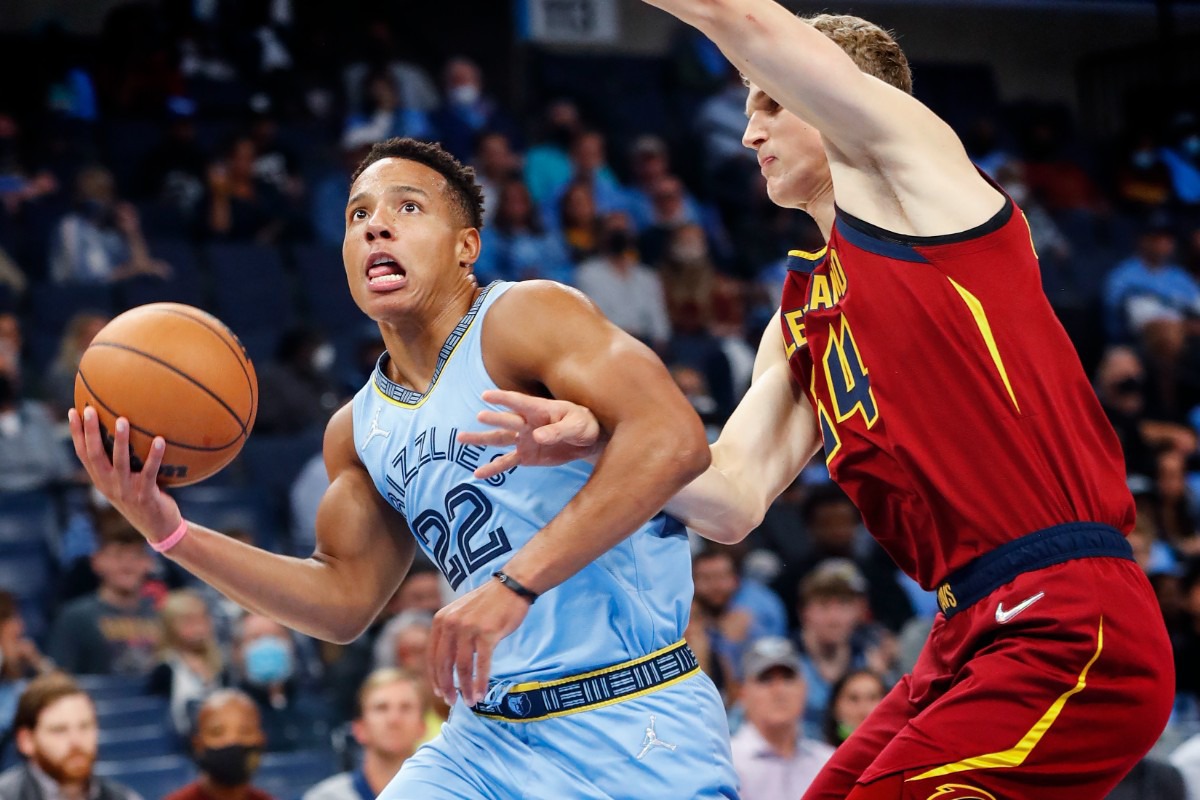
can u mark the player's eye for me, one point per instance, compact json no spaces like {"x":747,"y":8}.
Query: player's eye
{"x":358,"y":213}
{"x":410,"y":207}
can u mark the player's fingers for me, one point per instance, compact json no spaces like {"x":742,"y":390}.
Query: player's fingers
{"x":93,"y":445}
{"x":76,"y":426}
{"x":578,"y":429}
{"x":497,"y":465}
{"x":149,"y":473}
{"x":121,"y":448}
{"x":483,"y":668}
{"x":524,"y":404}
{"x":503,"y":419}
{"x":464,"y":667}
{"x":488,"y":438}
{"x":442,"y":652}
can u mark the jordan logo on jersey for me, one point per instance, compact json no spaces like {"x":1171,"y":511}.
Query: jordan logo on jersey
{"x":375,"y":430}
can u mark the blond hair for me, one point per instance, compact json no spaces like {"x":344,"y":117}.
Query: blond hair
{"x":176,"y":604}
{"x":386,"y":676}
{"x":873,"y":49}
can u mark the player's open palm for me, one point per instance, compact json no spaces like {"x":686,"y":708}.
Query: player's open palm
{"x":543,"y":432}
{"x":135,"y":494}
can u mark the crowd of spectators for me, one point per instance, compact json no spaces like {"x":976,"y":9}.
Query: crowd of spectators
{"x":210,"y":164}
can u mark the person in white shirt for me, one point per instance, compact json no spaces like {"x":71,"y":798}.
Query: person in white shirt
{"x":773,"y":760}
{"x":1186,"y":759}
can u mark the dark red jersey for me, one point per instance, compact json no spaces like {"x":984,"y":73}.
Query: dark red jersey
{"x":953,"y":407}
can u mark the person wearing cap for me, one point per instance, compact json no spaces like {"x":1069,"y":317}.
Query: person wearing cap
{"x":772,"y":758}
{"x":835,"y":635}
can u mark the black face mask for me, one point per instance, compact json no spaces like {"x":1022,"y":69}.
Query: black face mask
{"x":619,"y":242}
{"x":1128,"y":386}
{"x":8,"y":391}
{"x":229,"y":766}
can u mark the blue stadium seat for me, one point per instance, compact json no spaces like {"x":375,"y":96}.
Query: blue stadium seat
{"x":112,"y":687}
{"x":131,"y":712}
{"x":273,"y":462}
{"x":323,"y":288}
{"x":26,"y":568}
{"x":53,"y":305}
{"x":27,"y":516}
{"x":142,"y":741}
{"x":222,"y":508}
{"x":150,"y":777}
{"x":251,"y":290}
{"x":142,"y":289}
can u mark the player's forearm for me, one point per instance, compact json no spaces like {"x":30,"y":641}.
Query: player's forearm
{"x":645,"y":463}
{"x":306,"y":595}
{"x":718,"y":507}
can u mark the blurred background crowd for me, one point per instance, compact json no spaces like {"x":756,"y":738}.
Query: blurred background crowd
{"x":199,"y":152}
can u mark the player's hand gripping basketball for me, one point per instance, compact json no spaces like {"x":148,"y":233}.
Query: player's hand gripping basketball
{"x":135,"y":494}
{"x":542,"y":432}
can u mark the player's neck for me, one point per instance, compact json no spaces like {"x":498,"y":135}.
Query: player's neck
{"x":415,"y":343}
{"x":823,"y":209}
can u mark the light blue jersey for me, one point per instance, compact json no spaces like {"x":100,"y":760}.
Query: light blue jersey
{"x":630,"y":602}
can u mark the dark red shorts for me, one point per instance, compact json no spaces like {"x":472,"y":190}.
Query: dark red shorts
{"x":1015,"y":697}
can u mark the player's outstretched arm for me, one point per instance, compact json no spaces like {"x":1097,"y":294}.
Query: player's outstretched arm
{"x":363,"y":547}
{"x":887,"y":150}
{"x":541,"y":338}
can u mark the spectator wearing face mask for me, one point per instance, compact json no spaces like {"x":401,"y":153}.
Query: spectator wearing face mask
{"x":227,"y":748}
{"x":467,"y":110}
{"x":266,"y":666}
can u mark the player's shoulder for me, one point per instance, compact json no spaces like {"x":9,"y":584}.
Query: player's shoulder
{"x":541,"y":298}
{"x":338,"y":445}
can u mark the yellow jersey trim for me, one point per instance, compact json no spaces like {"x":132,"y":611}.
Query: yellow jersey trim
{"x":534,"y":685}
{"x":985,"y":328}
{"x":613,"y":701}
{"x":807,"y":256}
{"x":1015,"y":756}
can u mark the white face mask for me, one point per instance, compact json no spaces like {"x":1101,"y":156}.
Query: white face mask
{"x":466,"y":94}
{"x":323,"y":357}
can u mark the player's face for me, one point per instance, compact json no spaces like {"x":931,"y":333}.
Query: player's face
{"x":791,"y":153}
{"x":405,"y":247}
{"x":392,"y":720}
{"x":64,"y":742}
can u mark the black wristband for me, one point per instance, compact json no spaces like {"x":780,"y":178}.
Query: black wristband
{"x":511,"y":583}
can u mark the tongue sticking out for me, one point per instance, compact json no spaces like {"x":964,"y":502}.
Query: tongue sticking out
{"x":385,"y":273}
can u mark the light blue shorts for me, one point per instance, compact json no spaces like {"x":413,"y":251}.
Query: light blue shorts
{"x":672,"y":743}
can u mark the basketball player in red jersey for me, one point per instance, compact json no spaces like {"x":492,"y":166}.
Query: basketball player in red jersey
{"x":919,"y":349}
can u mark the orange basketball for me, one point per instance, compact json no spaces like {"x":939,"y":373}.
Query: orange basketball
{"x":177,"y":372}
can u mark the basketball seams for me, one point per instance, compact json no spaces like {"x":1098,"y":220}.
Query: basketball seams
{"x":198,"y":448}
{"x":156,"y":360}
{"x":242,"y":358}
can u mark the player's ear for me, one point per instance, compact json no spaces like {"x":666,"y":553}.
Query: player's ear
{"x":468,"y":247}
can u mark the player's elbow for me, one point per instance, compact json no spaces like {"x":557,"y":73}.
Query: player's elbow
{"x":690,"y":452}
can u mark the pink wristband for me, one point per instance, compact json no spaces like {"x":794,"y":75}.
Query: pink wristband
{"x":172,"y":540}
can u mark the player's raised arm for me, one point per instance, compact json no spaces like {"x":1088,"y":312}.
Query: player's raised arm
{"x":887,"y":151}
{"x":363,"y":547}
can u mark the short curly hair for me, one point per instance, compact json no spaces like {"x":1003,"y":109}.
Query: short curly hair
{"x":873,"y":49}
{"x":465,"y":194}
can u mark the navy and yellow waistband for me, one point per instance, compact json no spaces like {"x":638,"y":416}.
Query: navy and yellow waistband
{"x":1033,"y":551}
{"x":529,"y":702}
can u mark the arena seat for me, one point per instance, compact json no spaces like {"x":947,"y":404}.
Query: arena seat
{"x":153,"y":777}
{"x":327,"y":300}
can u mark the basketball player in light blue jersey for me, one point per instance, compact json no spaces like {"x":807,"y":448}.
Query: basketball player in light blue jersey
{"x":564,"y":646}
